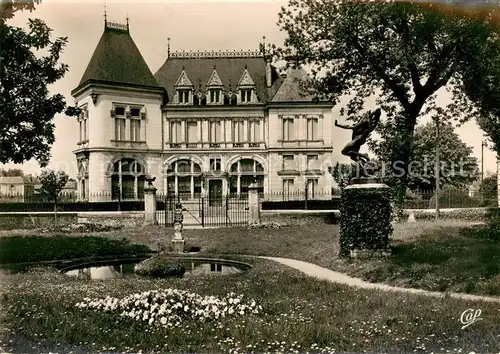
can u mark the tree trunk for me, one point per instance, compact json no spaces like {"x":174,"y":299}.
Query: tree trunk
{"x":404,"y":155}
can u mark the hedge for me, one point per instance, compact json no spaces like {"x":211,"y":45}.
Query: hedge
{"x":366,"y":215}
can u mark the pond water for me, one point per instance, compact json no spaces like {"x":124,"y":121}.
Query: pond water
{"x":121,"y":269}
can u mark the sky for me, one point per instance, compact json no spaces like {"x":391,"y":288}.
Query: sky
{"x":191,"y":25}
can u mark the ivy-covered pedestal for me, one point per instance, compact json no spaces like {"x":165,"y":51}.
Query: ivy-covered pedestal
{"x":365,"y":223}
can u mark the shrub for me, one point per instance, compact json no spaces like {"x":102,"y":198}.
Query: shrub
{"x":366,"y":216}
{"x":160,"y":267}
{"x":465,"y":214}
{"x":81,"y":228}
{"x":491,"y":231}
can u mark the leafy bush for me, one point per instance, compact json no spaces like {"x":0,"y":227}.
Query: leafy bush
{"x":465,"y":214}
{"x":490,"y":231}
{"x":366,"y":216}
{"x":81,"y":228}
{"x":160,"y":267}
{"x":489,"y":187}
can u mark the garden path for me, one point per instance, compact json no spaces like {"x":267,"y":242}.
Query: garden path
{"x":336,"y":277}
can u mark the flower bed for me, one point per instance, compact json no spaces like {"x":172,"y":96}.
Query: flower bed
{"x":171,"y":307}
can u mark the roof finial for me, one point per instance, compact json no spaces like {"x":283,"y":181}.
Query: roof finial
{"x":105,"y":15}
{"x":168,"y":47}
{"x":127,"y":23}
{"x":263,"y":45}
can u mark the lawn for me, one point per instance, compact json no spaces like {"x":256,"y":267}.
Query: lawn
{"x":442,"y":256}
{"x":440,"y":259}
{"x":300,"y":314}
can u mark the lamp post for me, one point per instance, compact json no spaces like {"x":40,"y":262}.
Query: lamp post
{"x":436,"y":167}
{"x":481,"y":190}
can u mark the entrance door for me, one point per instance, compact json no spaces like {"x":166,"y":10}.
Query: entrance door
{"x":215,"y":192}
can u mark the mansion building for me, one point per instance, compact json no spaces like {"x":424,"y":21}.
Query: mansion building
{"x":204,"y":123}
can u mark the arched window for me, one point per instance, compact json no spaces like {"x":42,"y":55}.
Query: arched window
{"x":127,"y":180}
{"x":184,"y":178}
{"x":242,"y":173}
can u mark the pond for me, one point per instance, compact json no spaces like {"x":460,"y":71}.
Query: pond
{"x":125,"y":268}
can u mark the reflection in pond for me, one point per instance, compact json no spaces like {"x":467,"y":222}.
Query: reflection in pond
{"x":193,"y":268}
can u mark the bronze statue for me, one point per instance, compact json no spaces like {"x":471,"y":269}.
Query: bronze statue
{"x":360,"y":133}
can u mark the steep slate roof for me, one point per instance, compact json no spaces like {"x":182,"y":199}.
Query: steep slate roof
{"x":117,"y":59}
{"x":290,"y":91}
{"x":230,"y":71}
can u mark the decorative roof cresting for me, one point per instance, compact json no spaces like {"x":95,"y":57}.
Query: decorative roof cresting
{"x":215,"y":54}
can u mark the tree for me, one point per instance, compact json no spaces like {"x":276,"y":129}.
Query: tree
{"x":489,"y":187}
{"x":458,"y":166}
{"x":400,"y":53}
{"x":11,"y":172}
{"x":342,"y":173}
{"x":26,"y":107}
{"x":482,"y":85}
{"x":9,"y":7}
{"x":52,"y":184}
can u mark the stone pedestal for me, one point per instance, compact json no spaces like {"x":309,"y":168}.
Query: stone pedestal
{"x":178,"y":245}
{"x":366,"y":215}
{"x":150,"y":206}
{"x":178,"y":240}
{"x":253,"y":204}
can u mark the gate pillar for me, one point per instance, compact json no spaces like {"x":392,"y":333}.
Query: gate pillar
{"x":150,"y":203}
{"x":253,"y":204}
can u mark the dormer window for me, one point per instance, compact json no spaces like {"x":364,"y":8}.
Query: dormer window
{"x":184,"y":89}
{"x":246,"y":96}
{"x":184,"y":96}
{"x":246,"y":89}
{"x":215,"y":96}
{"x":215,"y":86}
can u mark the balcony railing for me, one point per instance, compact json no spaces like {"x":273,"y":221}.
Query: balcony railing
{"x":218,"y":145}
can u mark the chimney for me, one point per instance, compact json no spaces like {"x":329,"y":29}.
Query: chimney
{"x":269,"y":73}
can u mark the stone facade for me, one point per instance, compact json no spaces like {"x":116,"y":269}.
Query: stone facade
{"x":205,"y":123}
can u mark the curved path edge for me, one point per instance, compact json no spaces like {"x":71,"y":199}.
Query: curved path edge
{"x":340,"y":278}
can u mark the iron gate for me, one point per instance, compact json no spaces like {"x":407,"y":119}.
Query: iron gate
{"x":209,"y":211}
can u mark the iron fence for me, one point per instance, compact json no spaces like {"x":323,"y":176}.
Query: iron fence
{"x":71,"y":202}
{"x":449,"y":198}
{"x":204,"y":211}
